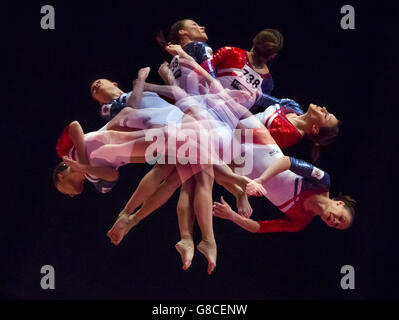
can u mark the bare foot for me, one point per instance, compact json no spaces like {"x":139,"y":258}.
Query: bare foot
{"x":243,"y":206}
{"x":118,"y":230}
{"x":186,"y":249}
{"x":208,"y":249}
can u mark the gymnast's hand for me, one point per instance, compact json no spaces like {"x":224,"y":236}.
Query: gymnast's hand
{"x":223,"y":210}
{"x":163,"y":68}
{"x":174,"y":49}
{"x":74,"y":164}
{"x":255,"y":188}
{"x":143,"y":73}
{"x":165,"y":73}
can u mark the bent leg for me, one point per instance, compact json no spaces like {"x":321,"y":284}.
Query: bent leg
{"x":146,"y":187}
{"x":155,"y":201}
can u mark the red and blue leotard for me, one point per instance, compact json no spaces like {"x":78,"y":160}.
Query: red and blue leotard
{"x":288,"y":189}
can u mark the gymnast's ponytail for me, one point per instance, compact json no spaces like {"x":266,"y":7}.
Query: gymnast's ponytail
{"x":315,"y":153}
{"x":267,"y":43}
{"x":325,"y":136}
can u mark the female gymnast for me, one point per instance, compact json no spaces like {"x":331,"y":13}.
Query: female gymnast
{"x":288,"y":124}
{"x":304,"y":124}
{"x":299,"y":189}
{"x":266,"y":45}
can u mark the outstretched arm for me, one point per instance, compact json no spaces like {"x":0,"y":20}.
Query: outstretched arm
{"x":277,"y":167}
{"x":267,"y":100}
{"x":280,"y":165}
{"x":283,"y":224}
{"x":224,"y":211}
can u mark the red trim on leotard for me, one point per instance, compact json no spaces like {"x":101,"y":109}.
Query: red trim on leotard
{"x":64,"y":143}
{"x":295,"y":218}
{"x":282,"y":130}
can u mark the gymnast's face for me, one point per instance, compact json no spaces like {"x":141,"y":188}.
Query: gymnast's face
{"x":336,"y":215}
{"x":104,"y":91}
{"x":193,"y":31}
{"x":321,"y":117}
{"x":70,"y":182}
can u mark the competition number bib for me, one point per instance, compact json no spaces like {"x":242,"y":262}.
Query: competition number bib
{"x":175,"y":67}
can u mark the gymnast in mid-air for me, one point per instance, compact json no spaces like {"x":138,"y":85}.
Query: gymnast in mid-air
{"x":311,"y":123}
{"x":316,"y":122}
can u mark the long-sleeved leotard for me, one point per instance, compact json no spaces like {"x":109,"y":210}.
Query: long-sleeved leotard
{"x":310,"y":181}
{"x":288,"y":189}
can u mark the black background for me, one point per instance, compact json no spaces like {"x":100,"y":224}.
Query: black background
{"x":47,"y":75}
